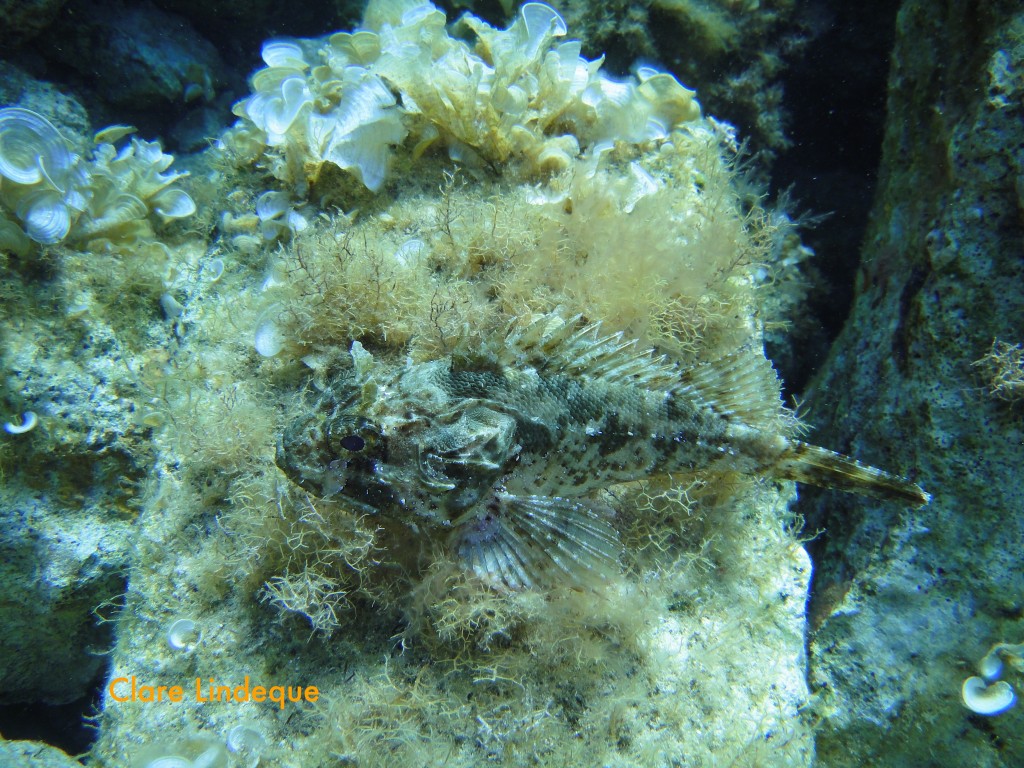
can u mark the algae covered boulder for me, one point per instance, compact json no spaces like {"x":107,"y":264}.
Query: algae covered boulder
{"x":402,"y":194}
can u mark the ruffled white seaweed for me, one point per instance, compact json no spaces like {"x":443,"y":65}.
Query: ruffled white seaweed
{"x":272,"y":205}
{"x":277,"y":110}
{"x":284,"y":53}
{"x":172,"y":203}
{"x":349,"y":98}
{"x":125,"y":187}
{"x":359,"y":134}
{"x":488,"y":104}
{"x":56,"y":195}
{"x":45,"y":215}
{"x":335,"y":112}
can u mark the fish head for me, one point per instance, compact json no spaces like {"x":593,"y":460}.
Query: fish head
{"x":337,"y":451}
{"x":398,"y":441}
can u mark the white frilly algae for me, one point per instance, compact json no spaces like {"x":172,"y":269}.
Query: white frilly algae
{"x":449,"y":179}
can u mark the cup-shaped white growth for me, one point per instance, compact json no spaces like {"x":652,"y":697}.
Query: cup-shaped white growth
{"x":410,"y":252}
{"x":31,"y":149}
{"x":173,"y":204}
{"x":984,"y":699}
{"x":278,"y":219}
{"x":272,"y":205}
{"x":282,"y":109}
{"x":214,"y":270}
{"x":284,"y":52}
{"x":246,"y":742}
{"x":531,"y":32}
{"x":28,"y":423}
{"x":183,"y":635}
{"x":991,"y":664}
{"x":280,"y":92}
{"x":169,"y":761}
{"x":361,"y":47}
{"x":45,"y":215}
{"x":268,"y":338}
{"x":245,"y":737}
{"x":39,"y":162}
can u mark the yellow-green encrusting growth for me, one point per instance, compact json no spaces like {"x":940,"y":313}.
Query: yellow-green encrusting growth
{"x":622,"y":207}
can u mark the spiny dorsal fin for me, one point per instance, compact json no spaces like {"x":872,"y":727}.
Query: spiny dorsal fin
{"x":742,"y":386}
{"x":554,"y":344}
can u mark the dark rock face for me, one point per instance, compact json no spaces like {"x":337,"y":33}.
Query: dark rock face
{"x":23,"y":20}
{"x":136,"y":56}
{"x":907,"y":603}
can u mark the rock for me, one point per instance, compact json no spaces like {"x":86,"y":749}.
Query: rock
{"x":18,"y":88}
{"x":33,"y":754}
{"x":136,"y":56}
{"x":66,"y":528}
{"x":22,"y":20}
{"x":908,"y":602}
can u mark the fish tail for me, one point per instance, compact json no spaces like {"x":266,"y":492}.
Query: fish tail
{"x":811,"y":464}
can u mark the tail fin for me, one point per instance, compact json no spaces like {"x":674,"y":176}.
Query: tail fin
{"x":810,"y":464}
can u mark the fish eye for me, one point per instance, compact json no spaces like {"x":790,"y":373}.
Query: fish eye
{"x":352,"y":443}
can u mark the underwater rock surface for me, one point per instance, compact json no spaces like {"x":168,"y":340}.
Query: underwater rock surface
{"x":136,"y":56}
{"x":32,"y":754}
{"x":22,"y":20}
{"x":907,"y":603}
{"x":417,"y":209}
{"x":58,"y":106}
{"x":150,"y":367}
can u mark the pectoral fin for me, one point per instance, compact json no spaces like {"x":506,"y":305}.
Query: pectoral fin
{"x":531,"y":541}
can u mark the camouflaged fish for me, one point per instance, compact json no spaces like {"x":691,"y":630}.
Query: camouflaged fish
{"x":508,"y":457}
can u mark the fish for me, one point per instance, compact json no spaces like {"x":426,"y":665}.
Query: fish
{"x":508,"y":457}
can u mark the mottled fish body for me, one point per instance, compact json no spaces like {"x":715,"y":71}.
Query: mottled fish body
{"x":509,"y":456}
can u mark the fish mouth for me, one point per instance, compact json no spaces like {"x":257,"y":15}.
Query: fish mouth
{"x":429,"y":472}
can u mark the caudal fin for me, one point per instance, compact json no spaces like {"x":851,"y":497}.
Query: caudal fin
{"x":810,"y":464}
